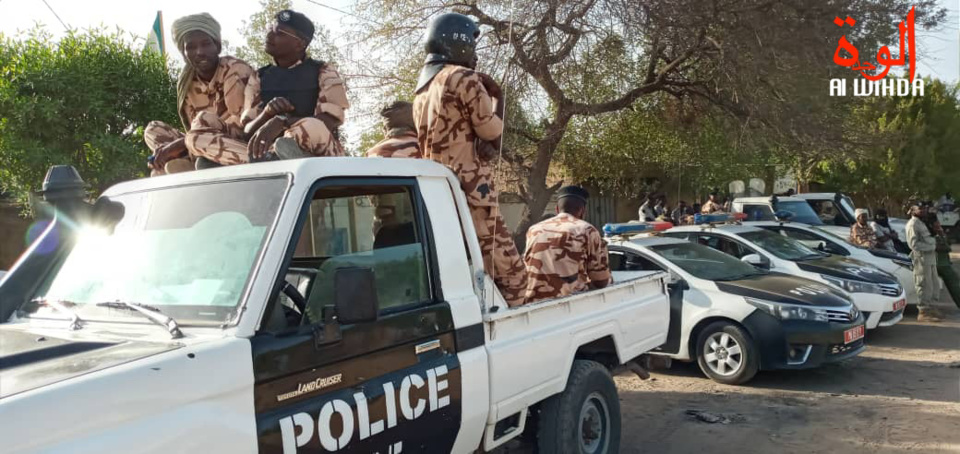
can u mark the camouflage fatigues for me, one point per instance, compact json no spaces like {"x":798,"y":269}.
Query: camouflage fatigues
{"x":397,"y":144}
{"x":564,"y":255}
{"x":863,"y":235}
{"x":711,"y":207}
{"x":215,"y":140}
{"x":452,"y":113}
{"x":223,"y":98}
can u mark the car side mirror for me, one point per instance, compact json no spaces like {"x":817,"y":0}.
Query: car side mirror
{"x":822,"y":246}
{"x":755,"y":260}
{"x":355,"y":295}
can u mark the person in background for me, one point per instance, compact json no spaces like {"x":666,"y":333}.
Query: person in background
{"x":695,"y":208}
{"x":944,"y":268}
{"x":886,"y":236}
{"x":210,"y":84}
{"x":861,"y":234}
{"x":712,"y":205}
{"x":299,"y":104}
{"x":646,"y":213}
{"x":946,"y":201}
{"x":565,"y":254}
{"x":923,"y":248}
{"x":400,"y":134}
{"x":660,"y":208}
{"x":679,"y":212}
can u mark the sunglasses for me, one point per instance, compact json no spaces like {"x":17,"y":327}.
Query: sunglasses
{"x":276,"y":29}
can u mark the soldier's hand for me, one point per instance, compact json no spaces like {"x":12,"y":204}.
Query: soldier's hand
{"x":486,"y":150}
{"x":492,"y":87}
{"x":279,"y":105}
{"x":264,"y":137}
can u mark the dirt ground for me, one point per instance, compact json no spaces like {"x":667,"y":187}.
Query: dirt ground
{"x":900,"y":395}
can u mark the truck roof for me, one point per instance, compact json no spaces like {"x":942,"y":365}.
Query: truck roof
{"x":816,"y":195}
{"x":735,"y":229}
{"x":766,"y":199}
{"x":299,"y":169}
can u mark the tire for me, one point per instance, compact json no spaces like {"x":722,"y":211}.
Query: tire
{"x":585,"y":417}
{"x":716,"y":358}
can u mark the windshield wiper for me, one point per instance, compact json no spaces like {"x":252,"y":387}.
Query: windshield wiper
{"x":58,"y":305}
{"x":151,"y":313}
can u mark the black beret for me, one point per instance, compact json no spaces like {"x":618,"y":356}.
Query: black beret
{"x":297,"y":21}
{"x":573,"y":191}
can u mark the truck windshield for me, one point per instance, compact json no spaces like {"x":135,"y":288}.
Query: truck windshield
{"x":783,"y":247}
{"x":802,"y":212}
{"x":706,"y":263}
{"x":188,"y":251}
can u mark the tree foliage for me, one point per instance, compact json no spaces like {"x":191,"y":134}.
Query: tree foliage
{"x":914,"y":152}
{"x":83,"y":100}
{"x":764,"y":64}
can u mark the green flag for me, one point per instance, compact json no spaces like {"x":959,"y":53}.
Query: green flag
{"x":155,"y":38}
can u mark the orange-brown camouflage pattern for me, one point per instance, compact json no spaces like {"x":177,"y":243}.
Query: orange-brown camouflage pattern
{"x":564,"y":255}
{"x":224,"y":95}
{"x":863,"y":235}
{"x":397,"y":144}
{"x":213,"y":139}
{"x":157,"y":135}
{"x":711,"y":207}
{"x":451,"y":115}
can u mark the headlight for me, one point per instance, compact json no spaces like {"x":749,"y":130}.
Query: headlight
{"x":853,"y":286}
{"x":785,"y":311}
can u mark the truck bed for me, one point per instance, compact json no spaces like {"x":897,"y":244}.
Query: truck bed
{"x":531,"y":347}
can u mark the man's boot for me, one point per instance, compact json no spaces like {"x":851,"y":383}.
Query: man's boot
{"x":929,"y":314}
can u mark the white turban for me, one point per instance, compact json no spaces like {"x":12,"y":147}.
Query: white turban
{"x":860,"y":211}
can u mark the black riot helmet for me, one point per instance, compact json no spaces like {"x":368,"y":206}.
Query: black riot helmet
{"x":451,"y":39}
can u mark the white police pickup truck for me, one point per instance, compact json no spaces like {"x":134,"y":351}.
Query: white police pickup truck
{"x":315,"y":305}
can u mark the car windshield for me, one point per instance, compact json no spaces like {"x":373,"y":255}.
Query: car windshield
{"x":781,"y":246}
{"x":188,"y":251}
{"x":802,"y":212}
{"x":705,"y":263}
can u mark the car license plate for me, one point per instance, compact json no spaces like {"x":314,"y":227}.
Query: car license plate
{"x":899,"y":305}
{"x":853,"y":334}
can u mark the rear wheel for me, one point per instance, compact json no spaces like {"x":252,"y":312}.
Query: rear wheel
{"x":585,"y":417}
{"x":726,"y":353}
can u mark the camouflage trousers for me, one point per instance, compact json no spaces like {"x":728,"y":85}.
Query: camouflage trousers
{"x":158,"y":134}
{"x":501,"y":260}
{"x":211,"y":138}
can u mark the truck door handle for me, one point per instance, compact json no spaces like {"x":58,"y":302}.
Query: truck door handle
{"x":427,"y":346}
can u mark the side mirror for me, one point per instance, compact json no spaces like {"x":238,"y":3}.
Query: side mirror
{"x":822,"y":246}
{"x":355,"y":295}
{"x":755,"y":260}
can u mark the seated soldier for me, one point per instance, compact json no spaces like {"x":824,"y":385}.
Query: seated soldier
{"x":301,"y":104}
{"x":209,"y":84}
{"x":565,"y":254}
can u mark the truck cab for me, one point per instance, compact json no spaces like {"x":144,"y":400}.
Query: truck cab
{"x":314,"y":305}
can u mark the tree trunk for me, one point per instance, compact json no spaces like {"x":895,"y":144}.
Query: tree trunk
{"x":537,"y":192}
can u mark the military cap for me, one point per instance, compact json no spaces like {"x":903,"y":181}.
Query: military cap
{"x":573,"y":191}
{"x":302,"y":25}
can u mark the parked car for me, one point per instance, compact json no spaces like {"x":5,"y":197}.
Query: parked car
{"x":876,"y":293}
{"x":255,"y":308}
{"x":836,"y":210}
{"x":734,"y":319}
{"x":814,"y":237}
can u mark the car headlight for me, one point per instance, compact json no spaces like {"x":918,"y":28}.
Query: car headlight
{"x":853,"y":286}
{"x":785,"y":311}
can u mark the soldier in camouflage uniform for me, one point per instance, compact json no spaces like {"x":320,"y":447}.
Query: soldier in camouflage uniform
{"x":861,"y":234}
{"x":209,"y":85}
{"x":296,"y":108}
{"x":565,"y":254}
{"x":400,"y":132}
{"x":458,"y":127}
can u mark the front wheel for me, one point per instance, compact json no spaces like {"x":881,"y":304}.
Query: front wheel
{"x":726,"y":353}
{"x":585,"y":417}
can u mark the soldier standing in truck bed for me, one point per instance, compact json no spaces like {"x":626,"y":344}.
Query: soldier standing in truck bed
{"x":457,"y":126}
